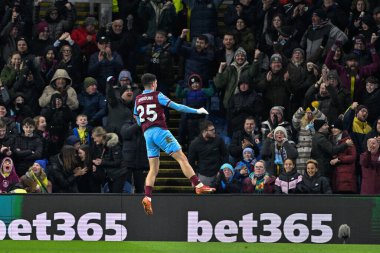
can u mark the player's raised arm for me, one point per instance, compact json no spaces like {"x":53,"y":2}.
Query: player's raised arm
{"x":165,"y":101}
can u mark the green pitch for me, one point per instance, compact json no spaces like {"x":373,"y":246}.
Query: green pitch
{"x":177,"y":247}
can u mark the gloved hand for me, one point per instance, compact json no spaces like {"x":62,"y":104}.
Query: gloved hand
{"x":202,"y":111}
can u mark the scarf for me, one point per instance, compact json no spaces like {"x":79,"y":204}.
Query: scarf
{"x":279,"y":157}
{"x":360,"y":126}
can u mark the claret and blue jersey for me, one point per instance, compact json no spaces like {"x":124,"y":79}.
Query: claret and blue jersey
{"x":149,"y":112}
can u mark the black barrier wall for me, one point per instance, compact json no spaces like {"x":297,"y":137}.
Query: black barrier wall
{"x":224,"y":218}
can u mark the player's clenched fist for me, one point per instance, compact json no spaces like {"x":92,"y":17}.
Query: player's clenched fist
{"x":202,"y":111}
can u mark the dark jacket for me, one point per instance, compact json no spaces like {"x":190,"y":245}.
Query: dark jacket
{"x":288,"y":182}
{"x":62,"y":181}
{"x":134,"y":147}
{"x":268,"y":154}
{"x":223,"y":185}
{"x":30,"y":149}
{"x":235,"y":149}
{"x":206,"y":157}
{"x":7,"y":141}
{"x":94,"y":106}
{"x":119,"y":111}
{"x":316,"y":184}
{"x":372,"y":102}
{"x":323,"y":150}
{"x":110,"y":153}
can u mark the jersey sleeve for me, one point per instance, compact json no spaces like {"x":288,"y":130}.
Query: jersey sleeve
{"x":165,"y":101}
{"x":136,"y":115}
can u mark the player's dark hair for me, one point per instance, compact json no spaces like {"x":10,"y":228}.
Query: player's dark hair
{"x":28,"y":121}
{"x":147,"y":79}
{"x":203,"y":126}
{"x":203,"y":37}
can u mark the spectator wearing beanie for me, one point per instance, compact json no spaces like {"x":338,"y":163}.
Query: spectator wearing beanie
{"x":226,"y":182}
{"x":277,"y":149}
{"x":92,"y":103}
{"x":323,"y":150}
{"x":275,"y":85}
{"x":228,"y":77}
{"x":42,"y":40}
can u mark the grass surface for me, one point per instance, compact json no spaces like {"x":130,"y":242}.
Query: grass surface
{"x":177,"y":247}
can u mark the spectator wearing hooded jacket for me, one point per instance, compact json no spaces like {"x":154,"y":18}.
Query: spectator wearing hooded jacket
{"x":344,"y":163}
{"x":277,"y":149}
{"x":246,"y":102}
{"x":60,"y":83}
{"x":92,"y":103}
{"x":8,"y":174}
{"x":228,"y":77}
{"x":313,"y":182}
{"x":226,"y":182}
{"x":370,"y":166}
{"x":196,"y":96}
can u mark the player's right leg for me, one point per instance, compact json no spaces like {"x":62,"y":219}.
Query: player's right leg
{"x":188,"y":171}
{"x":153,"y":152}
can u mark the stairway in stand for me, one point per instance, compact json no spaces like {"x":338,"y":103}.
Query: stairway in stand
{"x":170,"y":178}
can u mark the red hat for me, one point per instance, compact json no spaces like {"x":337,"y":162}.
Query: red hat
{"x":42,"y":26}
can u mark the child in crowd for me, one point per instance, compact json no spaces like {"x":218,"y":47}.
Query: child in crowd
{"x":35,"y":179}
{"x":8,"y":174}
{"x":245,"y":167}
{"x":196,"y":96}
{"x":226,"y":182}
{"x":83,"y":130}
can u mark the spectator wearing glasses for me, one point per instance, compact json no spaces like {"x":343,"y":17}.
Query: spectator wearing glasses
{"x":207,"y":153}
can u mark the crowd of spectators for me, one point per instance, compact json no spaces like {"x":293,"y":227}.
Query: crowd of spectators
{"x":292,"y":87}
